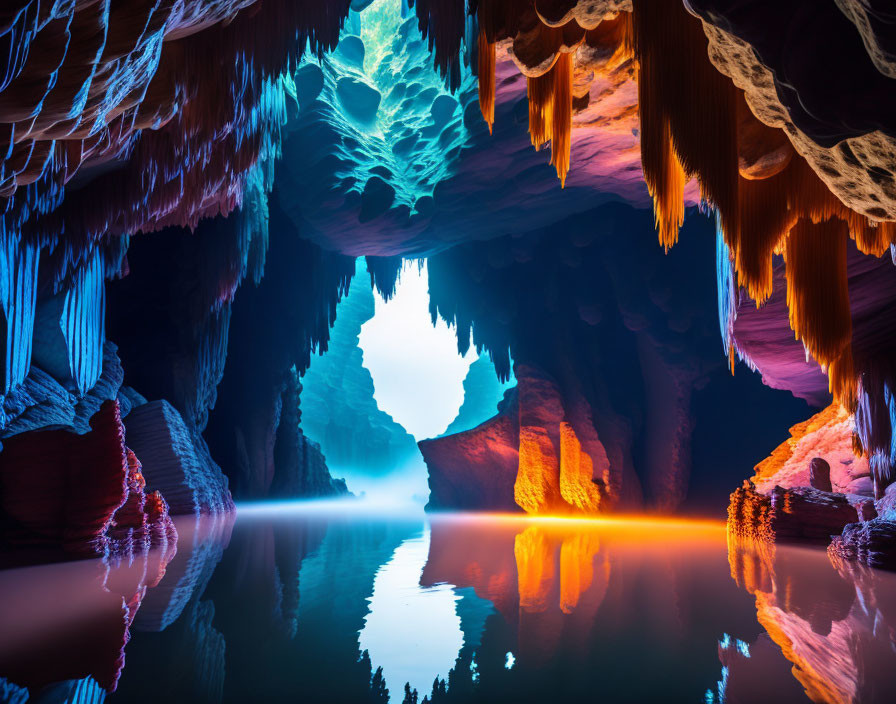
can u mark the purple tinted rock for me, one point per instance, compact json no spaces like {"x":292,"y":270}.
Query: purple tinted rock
{"x":820,"y":474}
{"x":872,"y":543}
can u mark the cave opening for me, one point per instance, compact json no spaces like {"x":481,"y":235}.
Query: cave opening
{"x":393,"y":375}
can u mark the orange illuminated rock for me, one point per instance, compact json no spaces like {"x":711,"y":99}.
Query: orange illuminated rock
{"x":537,"y":486}
{"x":577,"y":555}
{"x":535,"y":569}
{"x":577,"y":485}
{"x":826,"y":435}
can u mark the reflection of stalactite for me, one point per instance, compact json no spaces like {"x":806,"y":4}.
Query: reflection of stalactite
{"x":535,"y":569}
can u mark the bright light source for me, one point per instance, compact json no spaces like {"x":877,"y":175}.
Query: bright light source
{"x":417,"y":372}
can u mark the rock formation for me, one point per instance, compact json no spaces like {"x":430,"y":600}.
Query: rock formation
{"x":82,"y":494}
{"x":482,"y":394}
{"x":476,"y":469}
{"x":338,"y":406}
{"x":606,"y":368}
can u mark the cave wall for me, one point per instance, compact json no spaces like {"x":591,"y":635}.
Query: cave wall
{"x":610,"y":338}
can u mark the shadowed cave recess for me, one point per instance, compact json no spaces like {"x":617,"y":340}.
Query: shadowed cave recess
{"x":661,"y":233}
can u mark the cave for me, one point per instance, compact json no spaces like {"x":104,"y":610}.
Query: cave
{"x":429,"y":351}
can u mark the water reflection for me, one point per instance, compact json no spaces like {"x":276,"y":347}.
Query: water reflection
{"x":337,"y":606}
{"x":414,"y":634}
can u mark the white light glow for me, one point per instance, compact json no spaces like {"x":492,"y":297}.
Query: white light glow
{"x":417,"y":373}
{"x":412,"y":632}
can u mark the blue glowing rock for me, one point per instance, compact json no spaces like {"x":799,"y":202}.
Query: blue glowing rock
{"x":309,"y":81}
{"x":175,"y":462}
{"x":358,"y":99}
{"x":376,"y":199}
{"x":350,"y":50}
{"x":425,"y":206}
{"x":404,"y":146}
{"x":443,"y":109}
{"x":426,"y":97}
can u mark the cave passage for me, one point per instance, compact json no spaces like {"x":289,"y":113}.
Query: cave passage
{"x":392,"y":376}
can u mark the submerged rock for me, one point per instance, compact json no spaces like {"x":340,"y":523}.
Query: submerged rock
{"x":872,"y":543}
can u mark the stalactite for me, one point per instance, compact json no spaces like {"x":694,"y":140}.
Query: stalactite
{"x":687,"y":111}
{"x":540,"y":91}
{"x":18,"y":291}
{"x":818,"y":295}
{"x":487,"y":79}
{"x":765,"y":221}
{"x":443,"y":22}
{"x":561,"y":115}
{"x":83,"y":324}
{"x":384,"y":274}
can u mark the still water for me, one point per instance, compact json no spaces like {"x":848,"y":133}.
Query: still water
{"x":330,"y":603}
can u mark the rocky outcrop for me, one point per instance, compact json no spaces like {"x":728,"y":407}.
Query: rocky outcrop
{"x":81,"y":494}
{"x":826,"y":437}
{"x":300,"y":466}
{"x":872,"y":543}
{"x":175,"y":462}
{"x":476,"y":469}
{"x":814,"y":489}
{"x":802,"y":514}
{"x":42,"y":402}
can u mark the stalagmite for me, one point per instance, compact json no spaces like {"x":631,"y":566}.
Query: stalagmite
{"x":537,"y":486}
